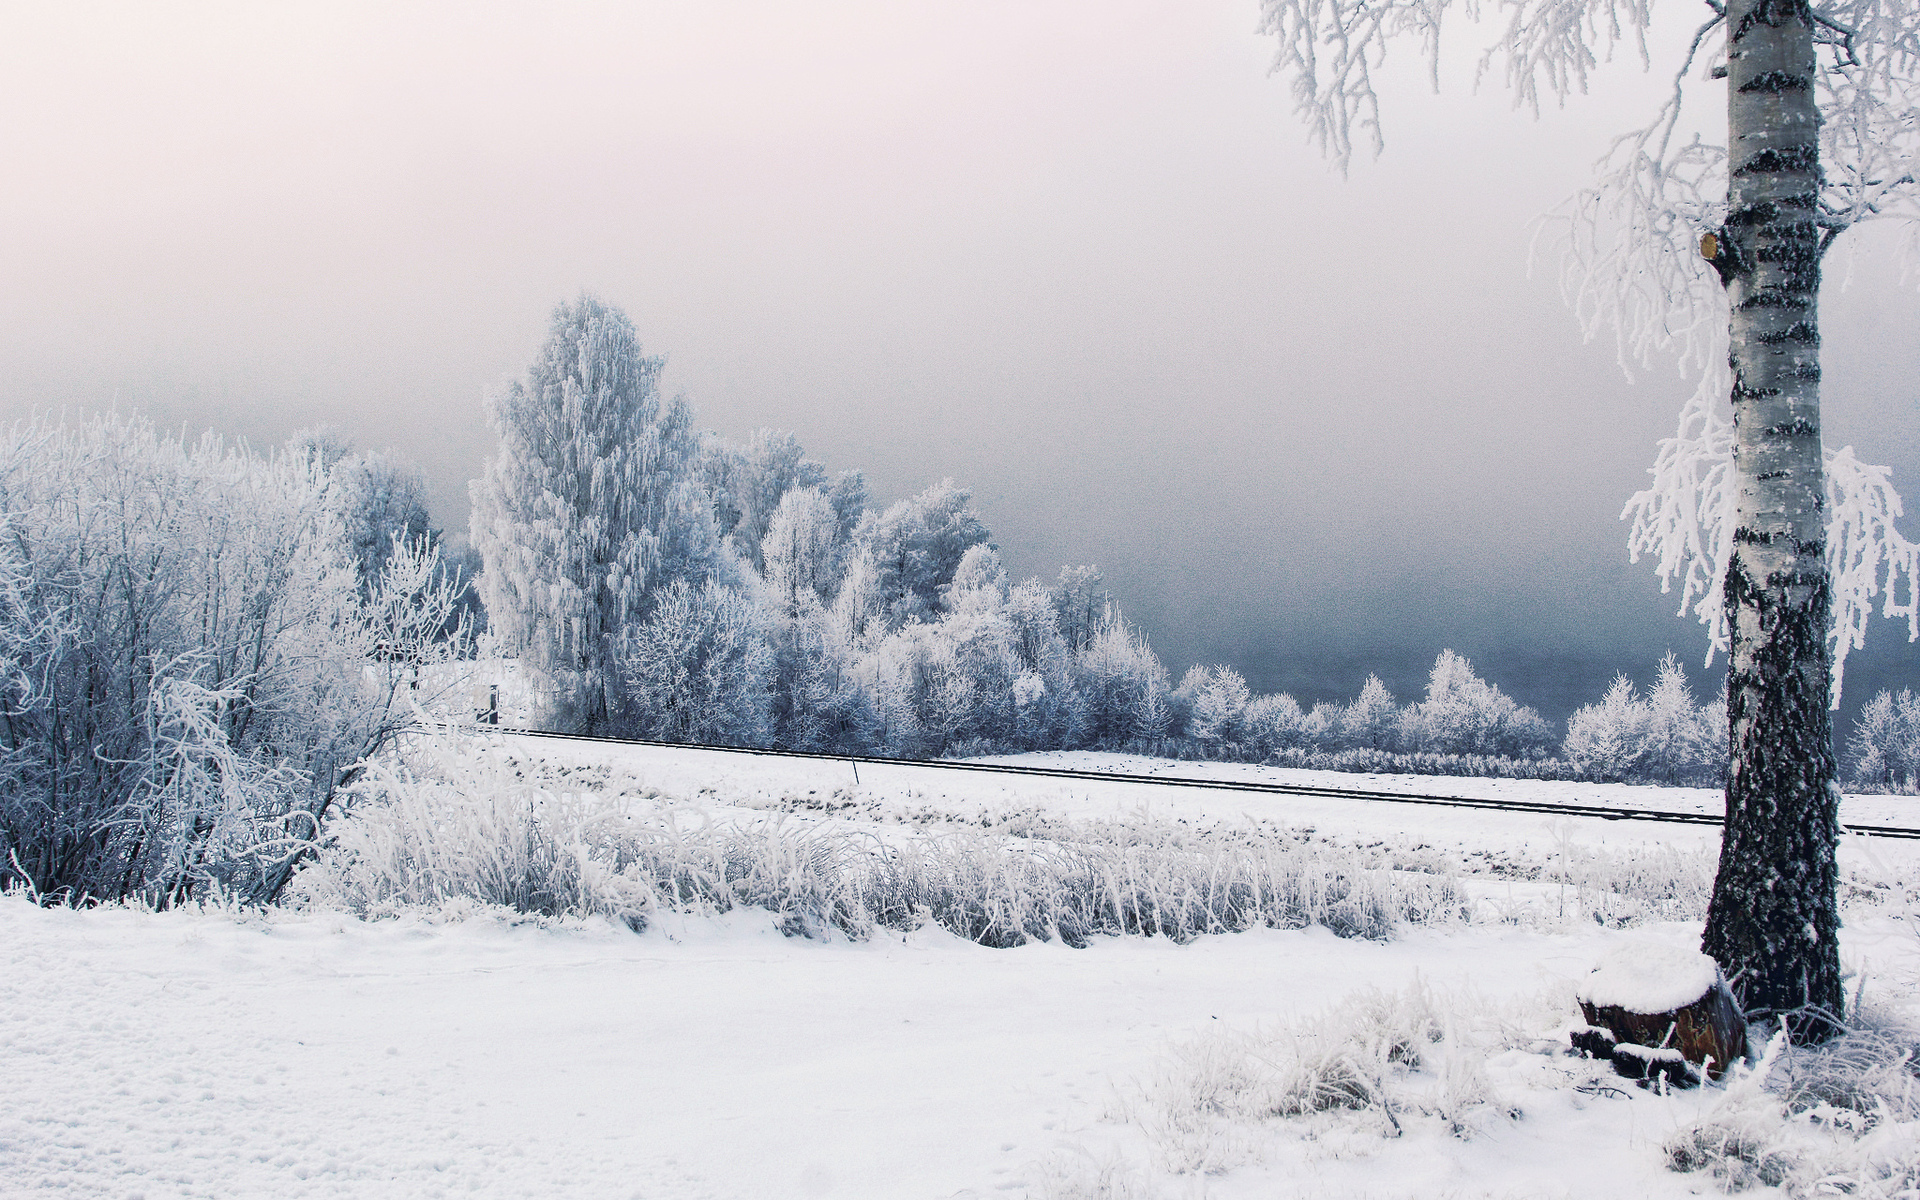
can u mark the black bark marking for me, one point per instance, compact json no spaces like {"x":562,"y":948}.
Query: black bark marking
{"x":1778,"y":81}
{"x":1781,"y":160}
{"x":1777,"y":297}
{"x":1798,"y":427}
{"x":1800,"y":331}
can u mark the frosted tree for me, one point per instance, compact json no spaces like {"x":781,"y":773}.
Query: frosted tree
{"x":1464,"y":714}
{"x":1216,"y":700}
{"x":699,"y":668}
{"x":378,"y":500}
{"x":1370,"y":722}
{"x":1714,"y":251}
{"x":746,"y":484}
{"x":1885,"y":745}
{"x":592,"y":504}
{"x":798,"y":551}
{"x":1082,"y":604}
{"x":915,"y":546}
{"x":1609,"y":739}
{"x":1123,"y":690}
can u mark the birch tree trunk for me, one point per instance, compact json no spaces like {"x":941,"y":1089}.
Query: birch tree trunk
{"x":1774,"y":917}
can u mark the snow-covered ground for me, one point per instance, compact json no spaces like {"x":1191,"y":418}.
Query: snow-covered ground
{"x":465,"y":1052}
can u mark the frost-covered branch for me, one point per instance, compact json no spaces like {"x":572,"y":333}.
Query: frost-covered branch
{"x":1685,"y":521}
{"x":1331,"y":49}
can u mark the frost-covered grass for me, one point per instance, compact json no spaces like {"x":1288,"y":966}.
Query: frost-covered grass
{"x":458,"y":821}
{"x":554,"y":830}
{"x":1837,"y":1119}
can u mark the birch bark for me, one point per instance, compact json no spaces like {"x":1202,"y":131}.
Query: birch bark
{"x":1774,"y":917}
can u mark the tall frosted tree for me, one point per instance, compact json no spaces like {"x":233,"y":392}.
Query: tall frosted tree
{"x":1715,"y":252}
{"x":591,"y":506}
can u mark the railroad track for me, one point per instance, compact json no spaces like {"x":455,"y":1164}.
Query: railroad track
{"x":1219,"y":785}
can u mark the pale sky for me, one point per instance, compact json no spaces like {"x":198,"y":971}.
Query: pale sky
{"x":1076,"y":254}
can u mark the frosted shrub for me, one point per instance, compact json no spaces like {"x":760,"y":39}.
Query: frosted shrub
{"x":470,"y":829}
{"x":196,"y":660}
{"x":1620,"y":889}
{"x":1367,"y":1066}
{"x":1884,"y":748}
{"x":1841,"y":1118}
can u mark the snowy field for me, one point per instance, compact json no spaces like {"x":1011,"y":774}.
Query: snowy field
{"x":458,"y":1050}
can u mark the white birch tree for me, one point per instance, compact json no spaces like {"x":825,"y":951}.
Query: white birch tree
{"x":1714,"y":252}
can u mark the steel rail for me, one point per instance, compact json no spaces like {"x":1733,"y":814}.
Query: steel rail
{"x":1547,"y":807}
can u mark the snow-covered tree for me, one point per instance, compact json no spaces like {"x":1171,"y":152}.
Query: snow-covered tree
{"x":591,"y":506}
{"x":1372,"y":720}
{"x":1715,"y":251}
{"x":1609,"y":739}
{"x":1885,"y":746}
{"x":915,"y":546}
{"x":1215,"y":700}
{"x":699,"y":668}
{"x":1123,"y":688}
{"x":1082,"y":604}
{"x":380,"y":502}
{"x":1464,"y":714}
{"x":1277,"y":722}
{"x":798,"y":551}
{"x":746,"y":484}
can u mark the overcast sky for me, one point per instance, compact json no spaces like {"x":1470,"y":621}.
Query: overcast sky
{"x":1076,"y":254}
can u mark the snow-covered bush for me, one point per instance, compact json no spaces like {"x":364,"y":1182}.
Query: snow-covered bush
{"x":1371,"y":1067}
{"x":1842,"y":1118}
{"x":1884,"y":748}
{"x":195,"y":662}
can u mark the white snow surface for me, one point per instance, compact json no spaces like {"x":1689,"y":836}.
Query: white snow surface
{"x":1646,"y":976}
{"x":466,"y":1052}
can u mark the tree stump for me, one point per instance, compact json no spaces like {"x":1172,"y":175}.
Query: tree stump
{"x":1660,"y":1012}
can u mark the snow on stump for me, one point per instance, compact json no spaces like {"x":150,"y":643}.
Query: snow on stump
{"x":1660,"y":1012}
